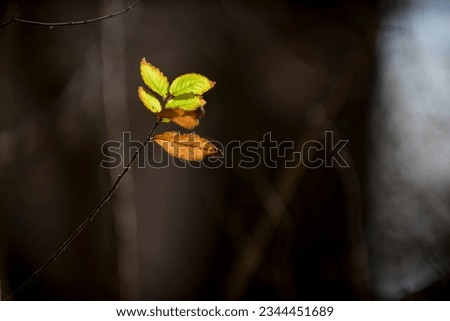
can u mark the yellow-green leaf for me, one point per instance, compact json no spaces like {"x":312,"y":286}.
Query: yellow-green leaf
{"x":149,"y":100}
{"x":191,"y":84}
{"x":188,"y":147}
{"x":186,"y":119}
{"x":154,"y":78}
{"x":186,"y":102}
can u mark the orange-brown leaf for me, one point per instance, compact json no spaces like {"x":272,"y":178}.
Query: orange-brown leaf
{"x":188,"y":119}
{"x":188,"y":147}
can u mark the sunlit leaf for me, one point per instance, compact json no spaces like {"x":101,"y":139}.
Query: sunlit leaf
{"x":191,"y":84}
{"x":188,"y":147}
{"x":186,"y":102}
{"x":154,"y":78}
{"x":149,"y":100}
{"x":186,"y":119}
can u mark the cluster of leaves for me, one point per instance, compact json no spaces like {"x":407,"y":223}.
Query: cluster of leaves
{"x":180,"y":102}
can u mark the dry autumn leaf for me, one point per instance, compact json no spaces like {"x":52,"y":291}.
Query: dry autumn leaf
{"x":186,"y":119}
{"x":188,"y":147}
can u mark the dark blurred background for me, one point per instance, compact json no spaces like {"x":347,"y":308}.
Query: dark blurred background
{"x":374,"y":72}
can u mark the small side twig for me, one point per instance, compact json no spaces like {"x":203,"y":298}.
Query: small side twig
{"x":86,"y":222}
{"x":14,"y":19}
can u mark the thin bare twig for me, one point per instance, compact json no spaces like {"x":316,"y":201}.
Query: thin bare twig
{"x":14,"y":19}
{"x":86,"y":222}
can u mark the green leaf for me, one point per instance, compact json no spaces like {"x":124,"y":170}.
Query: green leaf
{"x":154,"y":78}
{"x":191,"y":84}
{"x":149,"y":100}
{"x":186,"y":102}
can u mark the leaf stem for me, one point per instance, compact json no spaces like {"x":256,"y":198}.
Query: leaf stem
{"x":86,"y":222}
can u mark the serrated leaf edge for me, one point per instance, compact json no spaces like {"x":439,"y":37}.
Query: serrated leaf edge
{"x":201,"y":101}
{"x":211,"y":84}
{"x":152,"y":86}
{"x":141,"y":91}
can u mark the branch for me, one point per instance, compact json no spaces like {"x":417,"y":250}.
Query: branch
{"x":286,"y":180}
{"x":67,"y":23}
{"x":86,"y":222}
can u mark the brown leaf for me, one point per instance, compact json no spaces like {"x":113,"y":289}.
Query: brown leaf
{"x":186,"y":119}
{"x":188,"y":147}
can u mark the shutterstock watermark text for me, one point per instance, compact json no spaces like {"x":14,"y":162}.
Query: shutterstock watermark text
{"x":247,"y":154}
